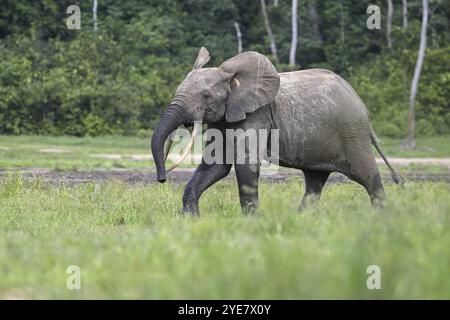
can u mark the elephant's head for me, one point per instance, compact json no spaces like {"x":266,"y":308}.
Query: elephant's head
{"x":240,"y":85}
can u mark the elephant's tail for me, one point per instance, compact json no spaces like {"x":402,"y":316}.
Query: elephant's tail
{"x":394,"y":174}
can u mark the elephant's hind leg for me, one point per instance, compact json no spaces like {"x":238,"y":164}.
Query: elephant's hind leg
{"x":376,"y":191}
{"x":315,"y":180}
{"x":363,"y":169}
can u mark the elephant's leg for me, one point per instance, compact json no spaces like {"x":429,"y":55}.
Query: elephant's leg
{"x":314,"y":180}
{"x":247,"y":177}
{"x":362,"y":168}
{"x":204,"y":177}
{"x":375,"y":190}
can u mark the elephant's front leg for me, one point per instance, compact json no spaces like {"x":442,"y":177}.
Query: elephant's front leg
{"x":247,"y":177}
{"x":204,"y":177}
{"x":249,"y":138}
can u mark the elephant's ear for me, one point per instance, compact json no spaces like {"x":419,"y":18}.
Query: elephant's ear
{"x":254,"y":83}
{"x":202,"y":58}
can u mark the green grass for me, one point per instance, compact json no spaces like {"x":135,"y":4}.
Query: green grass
{"x":131,"y":242}
{"x":433,"y":147}
{"x":26,"y":152}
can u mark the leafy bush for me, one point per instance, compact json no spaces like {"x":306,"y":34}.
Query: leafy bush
{"x":78,"y":91}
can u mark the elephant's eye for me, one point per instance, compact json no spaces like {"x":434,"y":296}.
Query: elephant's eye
{"x":206,"y":97}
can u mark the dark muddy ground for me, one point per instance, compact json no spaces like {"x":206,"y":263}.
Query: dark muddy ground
{"x":182,"y":175}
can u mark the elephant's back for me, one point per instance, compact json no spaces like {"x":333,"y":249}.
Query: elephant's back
{"x":320,"y":92}
{"x":317,"y":109}
{"x":315,"y":82}
{"x":307,"y":79}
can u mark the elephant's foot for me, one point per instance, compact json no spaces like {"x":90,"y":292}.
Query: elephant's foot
{"x":190,"y":203}
{"x":377,"y":194}
{"x":379,"y":201}
{"x":191,"y":209}
{"x":249,"y":207}
{"x":309,"y":200}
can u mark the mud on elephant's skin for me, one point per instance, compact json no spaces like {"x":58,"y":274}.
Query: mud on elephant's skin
{"x":323,"y":125}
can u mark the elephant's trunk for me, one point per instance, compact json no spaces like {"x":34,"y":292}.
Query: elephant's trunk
{"x":170,"y":120}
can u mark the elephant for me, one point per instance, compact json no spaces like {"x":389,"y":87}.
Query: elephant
{"x":323,"y":125}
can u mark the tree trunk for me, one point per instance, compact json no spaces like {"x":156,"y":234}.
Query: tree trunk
{"x":389,"y":23}
{"x":273,"y":46}
{"x":294,"y":35}
{"x":238,"y":36}
{"x":94,"y":15}
{"x":410,"y":142}
{"x":275,"y":3}
{"x":405,"y":13}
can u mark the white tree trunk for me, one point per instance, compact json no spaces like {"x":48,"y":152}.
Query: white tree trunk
{"x":410,"y":142}
{"x":273,"y":46}
{"x":389,"y":23}
{"x":238,"y":36}
{"x":405,"y":13}
{"x":94,"y":15}
{"x":294,"y":35}
{"x":275,"y":3}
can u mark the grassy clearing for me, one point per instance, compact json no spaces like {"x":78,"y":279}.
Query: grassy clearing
{"x":72,"y":153}
{"x":433,"y":147}
{"x":131,"y":242}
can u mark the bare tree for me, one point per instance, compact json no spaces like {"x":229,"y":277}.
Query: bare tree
{"x":294,"y":34}
{"x":273,"y":46}
{"x":405,"y":13}
{"x":389,"y":23}
{"x":410,"y":142}
{"x":94,"y":15}
{"x":238,"y":36}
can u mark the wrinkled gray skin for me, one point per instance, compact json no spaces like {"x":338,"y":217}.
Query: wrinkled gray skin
{"x":323,"y":125}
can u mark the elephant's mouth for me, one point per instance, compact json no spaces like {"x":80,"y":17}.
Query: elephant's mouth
{"x":210,"y":114}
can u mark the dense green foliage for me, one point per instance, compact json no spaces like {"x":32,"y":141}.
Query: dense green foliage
{"x":118,"y":80}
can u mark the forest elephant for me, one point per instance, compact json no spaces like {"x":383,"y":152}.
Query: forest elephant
{"x":323,"y":126}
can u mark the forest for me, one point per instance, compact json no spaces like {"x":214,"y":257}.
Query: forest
{"x":118,"y":71}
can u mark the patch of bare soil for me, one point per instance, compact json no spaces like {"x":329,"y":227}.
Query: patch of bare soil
{"x":54,"y":150}
{"x":183,"y":175}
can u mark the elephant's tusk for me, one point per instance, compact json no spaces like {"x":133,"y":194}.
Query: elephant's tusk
{"x":187,"y":150}
{"x":168,"y":145}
